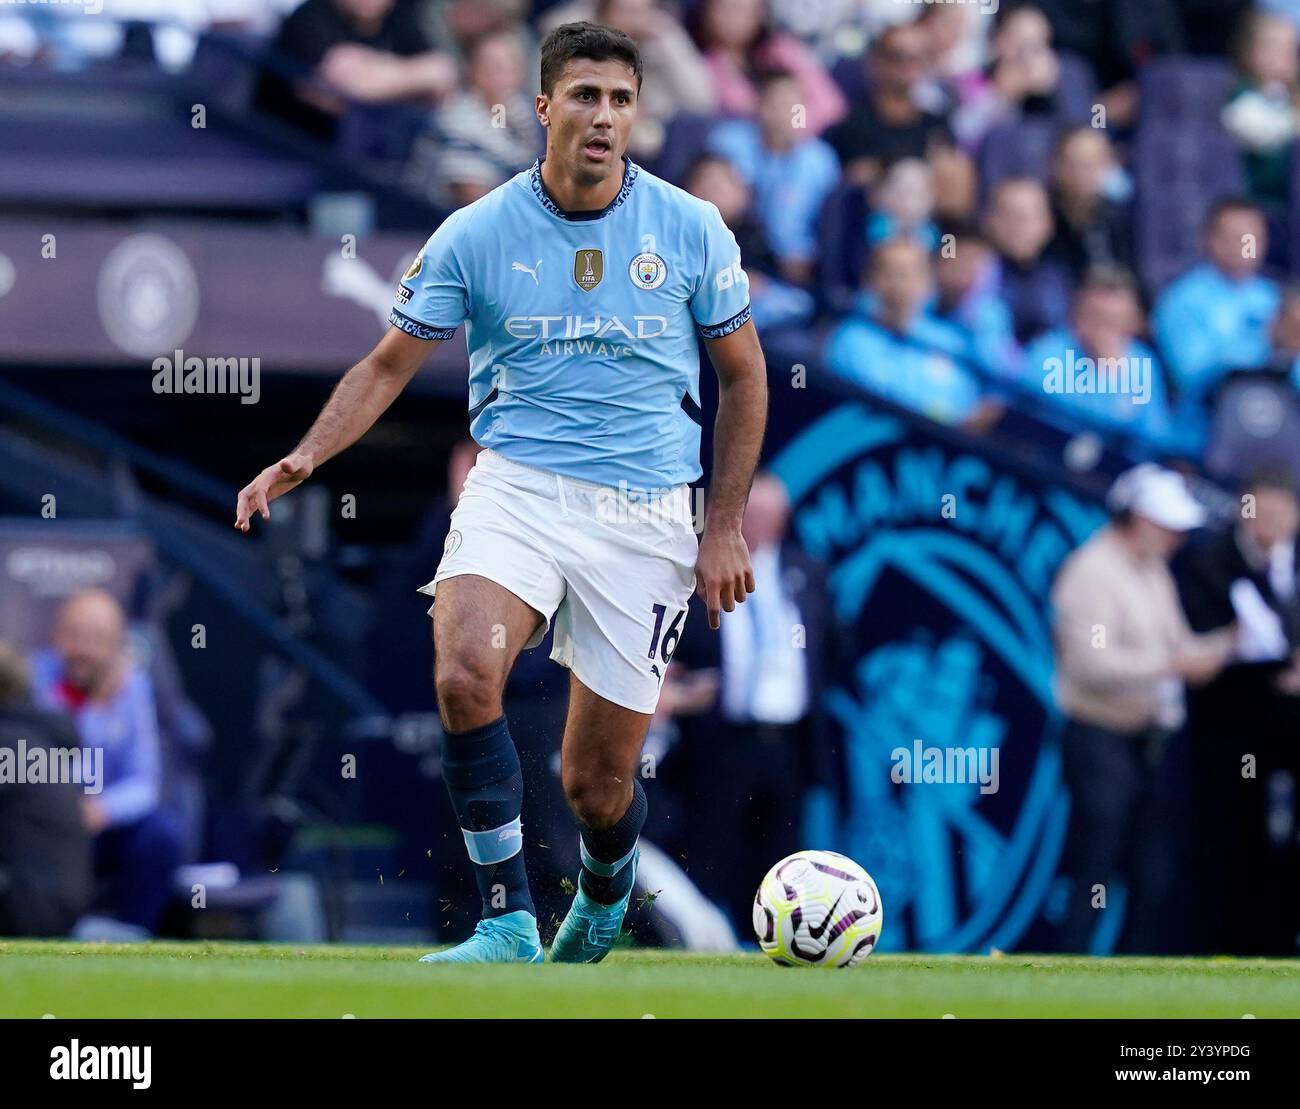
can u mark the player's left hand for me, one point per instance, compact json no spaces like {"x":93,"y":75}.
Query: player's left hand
{"x":723,"y":575}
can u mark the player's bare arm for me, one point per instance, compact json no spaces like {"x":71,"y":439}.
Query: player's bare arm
{"x":723,"y":575}
{"x":358,"y":400}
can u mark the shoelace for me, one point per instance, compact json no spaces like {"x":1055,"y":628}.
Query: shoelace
{"x":602,"y":931}
{"x":505,"y":942}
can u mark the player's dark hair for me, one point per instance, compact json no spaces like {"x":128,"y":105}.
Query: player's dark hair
{"x":586,"y":40}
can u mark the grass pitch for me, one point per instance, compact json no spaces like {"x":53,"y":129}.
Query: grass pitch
{"x":70,"y":980}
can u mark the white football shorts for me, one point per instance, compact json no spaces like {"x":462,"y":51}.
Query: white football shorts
{"x":614,"y":571}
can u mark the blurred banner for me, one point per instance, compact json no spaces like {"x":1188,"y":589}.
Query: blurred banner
{"x":42,"y":563}
{"x":942,"y":553}
{"x":295,"y":301}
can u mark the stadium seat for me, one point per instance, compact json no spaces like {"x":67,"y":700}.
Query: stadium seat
{"x":685,"y":141}
{"x":1179,"y":170}
{"x":1255,"y":425}
{"x":1183,"y":90}
{"x":1020,"y":149}
{"x":841,"y":246}
{"x":1076,"y":93}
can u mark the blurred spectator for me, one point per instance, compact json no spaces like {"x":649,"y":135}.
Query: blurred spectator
{"x":90,"y":674}
{"x":1020,"y":80}
{"x":371,"y":51}
{"x":738,"y":45}
{"x":675,"y":79}
{"x":966,"y":276}
{"x":454,"y":26}
{"x":1216,"y":317}
{"x":1288,"y":9}
{"x":831,"y":29}
{"x":1285,"y":333}
{"x":775,"y":302}
{"x":45,"y":880}
{"x":1091,"y":203}
{"x":788,"y":169}
{"x":958,"y":37}
{"x":1124,"y":651}
{"x":749,"y":702}
{"x":1261,"y":109}
{"x":1248,"y":716}
{"x":889,"y":122}
{"x":482,"y":135}
{"x":894,"y":347}
{"x":1099,"y":371}
{"x":902,"y":204}
{"x":1037,"y":288}
{"x":1117,"y":37}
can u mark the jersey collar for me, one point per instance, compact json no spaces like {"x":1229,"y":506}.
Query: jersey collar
{"x":630,"y":172}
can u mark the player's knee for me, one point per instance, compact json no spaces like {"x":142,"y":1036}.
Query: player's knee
{"x":595,"y":802}
{"x":468,"y":693}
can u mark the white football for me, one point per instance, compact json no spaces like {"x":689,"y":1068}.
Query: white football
{"x":818,"y":909}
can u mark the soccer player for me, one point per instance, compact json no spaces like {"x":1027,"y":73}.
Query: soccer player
{"x":582,"y":283}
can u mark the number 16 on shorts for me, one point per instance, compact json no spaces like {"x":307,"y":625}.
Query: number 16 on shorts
{"x":662,"y":649}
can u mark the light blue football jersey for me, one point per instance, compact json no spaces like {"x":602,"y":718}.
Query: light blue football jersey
{"x":582,"y":326}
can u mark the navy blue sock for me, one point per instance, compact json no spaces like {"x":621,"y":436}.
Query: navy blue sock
{"x":607,"y":852}
{"x":481,"y":769}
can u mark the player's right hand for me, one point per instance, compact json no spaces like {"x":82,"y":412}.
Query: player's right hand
{"x":275,"y":481}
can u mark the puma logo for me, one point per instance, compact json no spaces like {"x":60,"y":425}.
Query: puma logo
{"x":524,"y":269}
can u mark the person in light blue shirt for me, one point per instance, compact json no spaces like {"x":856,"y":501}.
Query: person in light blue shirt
{"x":89,"y":674}
{"x":1097,"y":373}
{"x":585,"y":285}
{"x":790,"y":172}
{"x":1216,"y":317}
{"x":582,"y":326}
{"x":896,"y":349}
{"x":967,"y":298}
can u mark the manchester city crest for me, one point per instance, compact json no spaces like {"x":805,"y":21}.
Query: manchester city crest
{"x":648,"y":271}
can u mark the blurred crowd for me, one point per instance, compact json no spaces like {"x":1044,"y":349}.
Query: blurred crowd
{"x":945,"y":199}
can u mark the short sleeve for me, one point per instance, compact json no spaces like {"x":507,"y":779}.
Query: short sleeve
{"x":433,"y":296}
{"x":720,"y":303}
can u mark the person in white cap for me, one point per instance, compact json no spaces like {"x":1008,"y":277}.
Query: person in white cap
{"x":1124,"y":652}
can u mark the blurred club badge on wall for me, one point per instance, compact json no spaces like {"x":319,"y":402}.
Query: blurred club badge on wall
{"x":148,"y":295}
{"x":942,"y":560}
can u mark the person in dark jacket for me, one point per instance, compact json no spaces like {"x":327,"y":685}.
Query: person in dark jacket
{"x":1245,"y":728}
{"x":45,"y":853}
